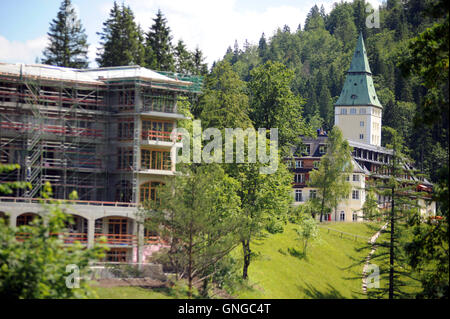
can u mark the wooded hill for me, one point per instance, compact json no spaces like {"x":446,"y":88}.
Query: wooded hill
{"x":320,"y":51}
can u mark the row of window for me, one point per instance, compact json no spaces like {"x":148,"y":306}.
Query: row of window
{"x":299,"y":164}
{"x":313,"y":194}
{"x":353,"y":110}
{"x":147,"y":191}
{"x":342,"y":216}
{"x":299,"y":194}
{"x":150,"y":159}
{"x":361,"y":111}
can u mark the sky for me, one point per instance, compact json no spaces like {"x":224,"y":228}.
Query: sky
{"x":212,"y":25}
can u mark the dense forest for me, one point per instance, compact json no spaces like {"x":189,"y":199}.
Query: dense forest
{"x":320,"y":51}
{"x":318,"y":54}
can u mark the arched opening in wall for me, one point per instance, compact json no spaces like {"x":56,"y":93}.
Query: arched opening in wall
{"x":149,"y":191}
{"x":124,"y":193}
{"x":76,"y":230}
{"x":117,"y":230}
{"x":4,"y":217}
{"x":26,"y":218}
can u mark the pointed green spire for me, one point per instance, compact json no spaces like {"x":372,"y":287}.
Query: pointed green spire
{"x":360,"y":63}
{"x":358,"y":87}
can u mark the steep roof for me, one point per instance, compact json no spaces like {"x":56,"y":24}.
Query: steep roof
{"x":358,"y":89}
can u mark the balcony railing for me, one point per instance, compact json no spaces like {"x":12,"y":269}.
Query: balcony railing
{"x":68,"y":238}
{"x":111,"y":239}
{"x":64,"y":201}
{"x":153,"y":240}
{"x":118,"y":239}
{"x":160,"y":136}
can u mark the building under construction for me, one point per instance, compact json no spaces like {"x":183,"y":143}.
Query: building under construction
{"x":105,"y":133}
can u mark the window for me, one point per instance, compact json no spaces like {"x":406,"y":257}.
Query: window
{"x":342,"y":216}
{"x":361,"y":123}
{"x":125,"y":129}
{"x":289,"y":164}
{"x":124,"y":158}
{"x":355,"y":194}
{"x":322,"y":149}
{"x":152,"y":159}
{"x":352,"y":110}
{"x":307,"y":149}
{"x":116,"y":255}
{"x":298,"y":195}
{"x":316,"y":164}
{"x":355,"y":177}
{"x":25,"y":219}
{"x":347,"y":178}
{"x":118,"y":226}
{"x":355,"y":217}
{"x":344,"y":111}
{"x":298,"y":164}
{"x":361,"y":136}
{"x":362,"y":111}
{"x":312,"y":193}
{"x":124,"y":191}
{"x":148,"y":191}
{"x":156,"y":130}
{"x":299,"y":178}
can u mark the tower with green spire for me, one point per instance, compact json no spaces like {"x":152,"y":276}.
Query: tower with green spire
{"x":358,"y":110}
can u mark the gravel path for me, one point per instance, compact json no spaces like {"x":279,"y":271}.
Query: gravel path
{"x":372,"y":241}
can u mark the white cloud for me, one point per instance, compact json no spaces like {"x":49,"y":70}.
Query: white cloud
{"x":215,"y":25}
{"x":212,"y":25}
{"x":23,"y":52}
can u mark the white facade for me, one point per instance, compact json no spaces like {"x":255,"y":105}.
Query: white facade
{"x":359,"y":123}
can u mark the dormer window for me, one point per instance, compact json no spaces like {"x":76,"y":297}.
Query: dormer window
{"x":322,"y":149}
{"x":354,"y":96}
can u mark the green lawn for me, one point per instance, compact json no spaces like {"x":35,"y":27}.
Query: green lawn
{"x":330,"y":270}
{"x":130,"y":293}
{"x":178,"y":292}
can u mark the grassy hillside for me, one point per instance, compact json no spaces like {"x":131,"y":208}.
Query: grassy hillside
{"x":330,"y":270}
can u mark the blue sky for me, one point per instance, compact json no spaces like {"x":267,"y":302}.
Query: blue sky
{"x":212,"y":25}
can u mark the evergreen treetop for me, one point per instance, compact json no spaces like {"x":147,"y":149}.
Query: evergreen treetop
{"x":68,"y":45}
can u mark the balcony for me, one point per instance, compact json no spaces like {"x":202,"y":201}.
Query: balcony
{"x":118,"y":239}
{"x":68,"y":238}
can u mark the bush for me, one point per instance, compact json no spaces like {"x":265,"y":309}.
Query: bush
{"x":275,"y":226}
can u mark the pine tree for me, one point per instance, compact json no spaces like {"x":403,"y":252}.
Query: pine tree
{"x":183,"y":58}
{"x":198,"y":215}
{"x":200,"y":67}
{"x":314,"y":19}
{"x":262,"y":48}
{"x":120,"y":39}
{"x":399,"y":206}
{"x":68,"y":45}
{"x":159,"y":43}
